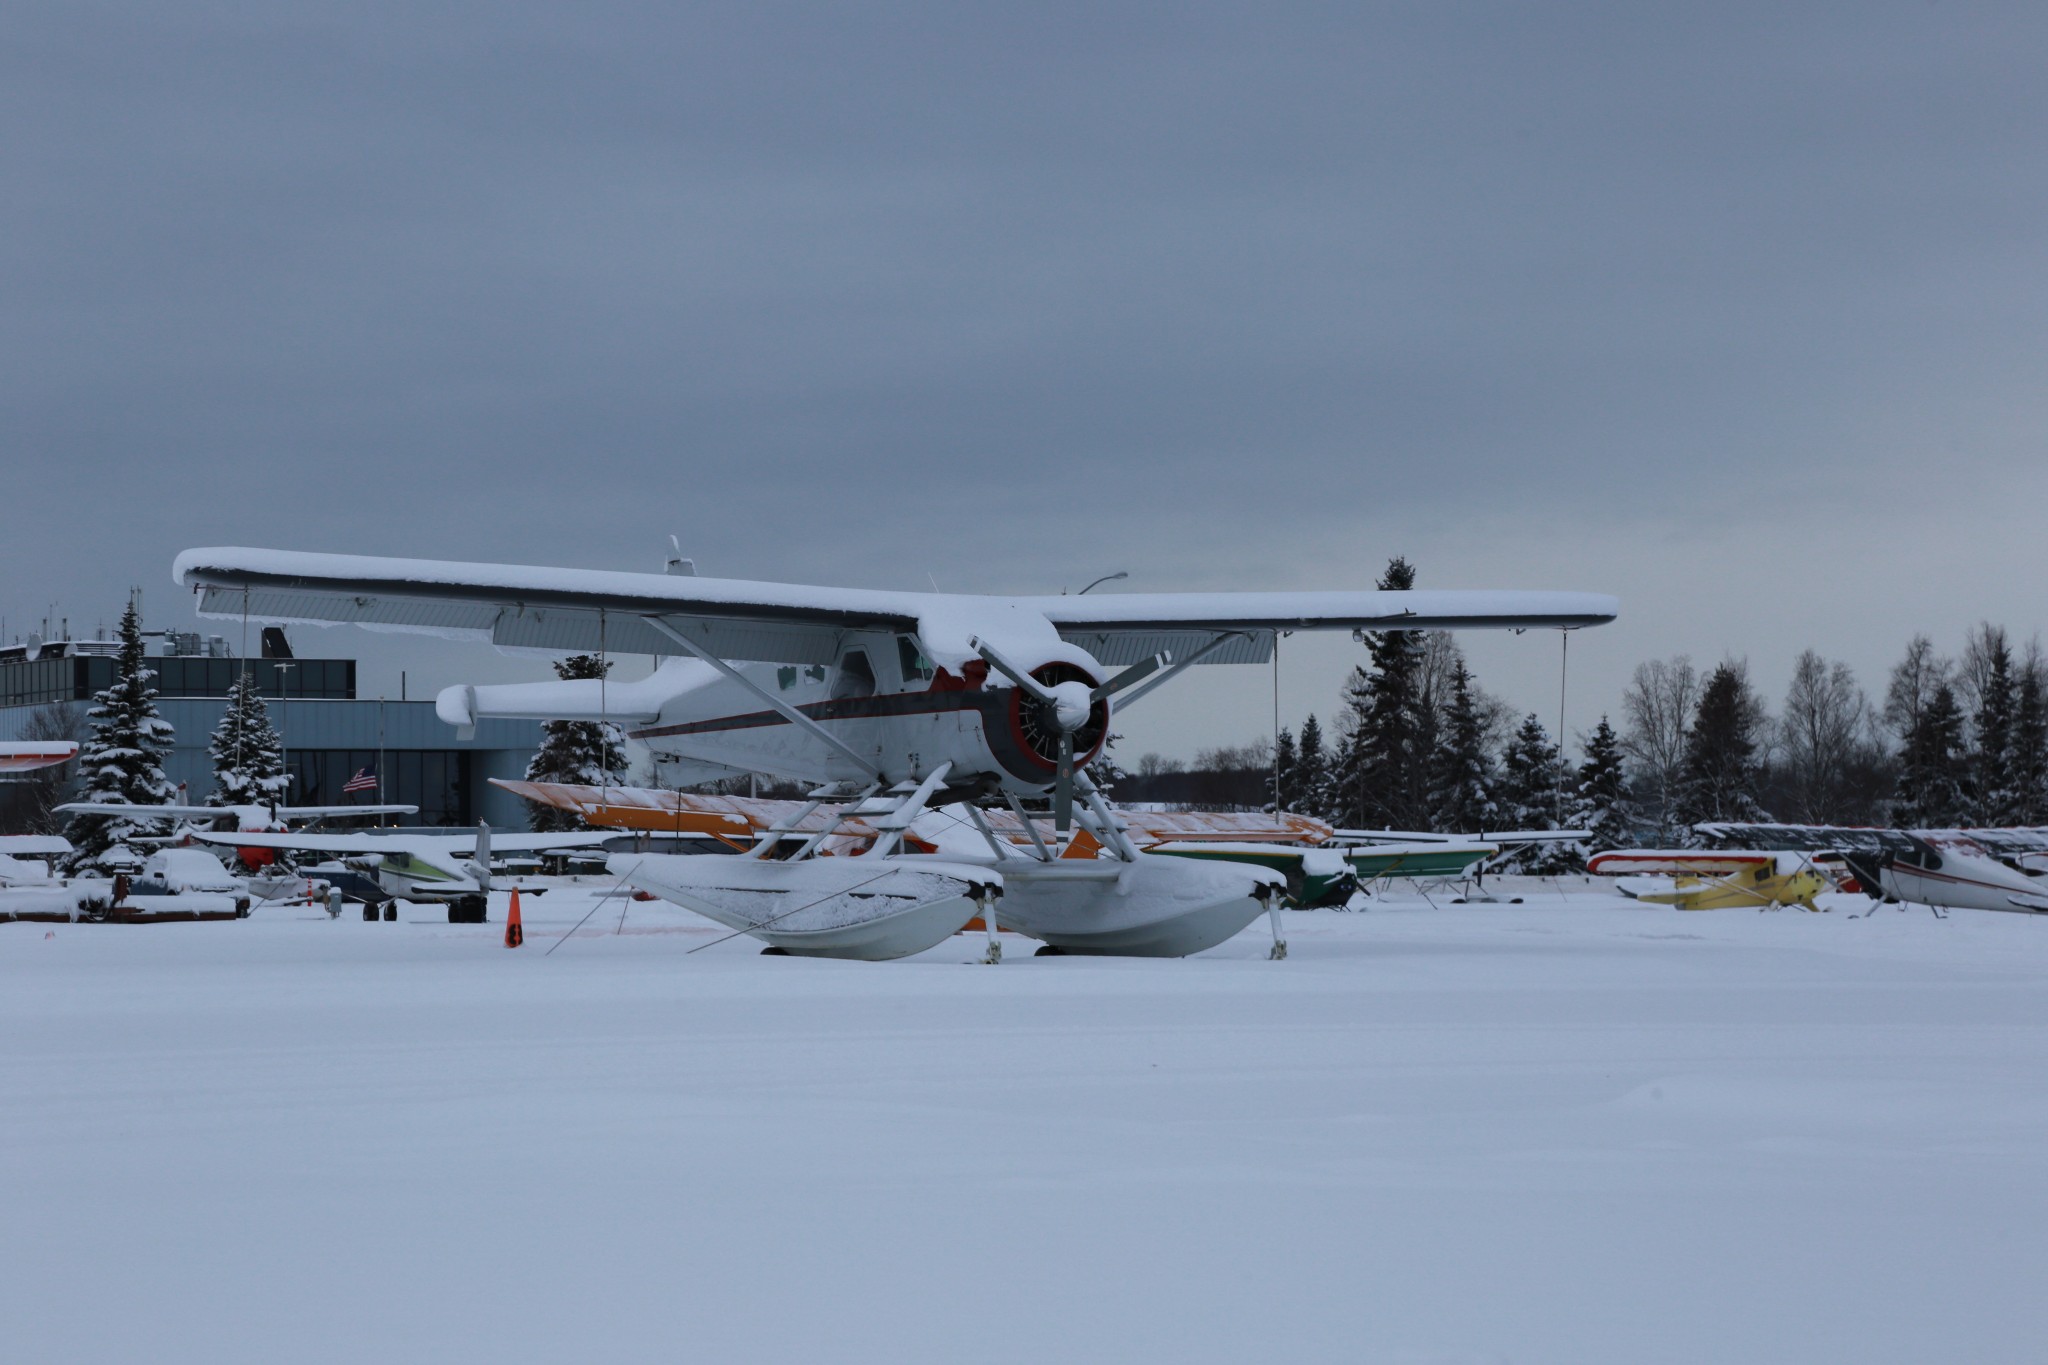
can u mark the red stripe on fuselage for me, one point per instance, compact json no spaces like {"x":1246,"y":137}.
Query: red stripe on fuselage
{"x":838,"y":708}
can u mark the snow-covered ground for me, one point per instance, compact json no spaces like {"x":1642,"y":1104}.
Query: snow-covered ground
{"x":1574,"y":1130}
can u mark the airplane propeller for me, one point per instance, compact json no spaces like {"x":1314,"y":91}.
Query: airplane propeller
{"x":1063,"y":709}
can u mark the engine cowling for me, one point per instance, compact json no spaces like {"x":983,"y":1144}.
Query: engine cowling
{"x":1038,"y":732}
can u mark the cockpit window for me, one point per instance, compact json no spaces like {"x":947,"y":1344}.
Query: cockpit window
{"x":915,"y":665}
{"x":856,"y":676}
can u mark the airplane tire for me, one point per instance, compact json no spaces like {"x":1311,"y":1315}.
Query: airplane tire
{"x":369,"y":912}
{"x":1050,"y":950}
{"x":390,"y":912}
{"x":772,"y":951}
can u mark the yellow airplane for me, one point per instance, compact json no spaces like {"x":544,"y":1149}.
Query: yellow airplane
{"x":1717,"y":881}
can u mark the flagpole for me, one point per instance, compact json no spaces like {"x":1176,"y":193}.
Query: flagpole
{"x":380,"y":757}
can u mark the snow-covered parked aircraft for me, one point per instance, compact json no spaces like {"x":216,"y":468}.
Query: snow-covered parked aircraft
{"x":1947,"y":869}
{"x":248,"y":818}
{"x":889,"y":700}
{"x":452,"y":869}
{"x":1704,"y":880}
{"x":1319,"y":871}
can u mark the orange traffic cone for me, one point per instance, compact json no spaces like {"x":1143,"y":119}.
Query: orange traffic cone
{"x":514,"y":934}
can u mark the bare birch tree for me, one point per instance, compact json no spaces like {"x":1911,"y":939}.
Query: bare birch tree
{"x":1656,"y":710}
{"x":1823,"y":740}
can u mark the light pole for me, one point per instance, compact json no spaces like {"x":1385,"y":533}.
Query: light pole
{"x":1106,"y":578}
{"x":284,"y":713}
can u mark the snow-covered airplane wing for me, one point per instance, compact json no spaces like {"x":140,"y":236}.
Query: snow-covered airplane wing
{"x":542,"y":608}
{"x":322,"y":812}
{"x":26,"y":755}
{"x":139,"y":812}
{"x":457,"y":844}
{"x":585,"y":609}
{"x":314,"y":843}
{"x":177,"y":812}
{"x":1125,"y":628}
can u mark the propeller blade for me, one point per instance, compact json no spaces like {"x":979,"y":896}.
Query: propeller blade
{"x":1137,"y":672}
{"x":1009,"y":670}
{"x":1063,"y":788}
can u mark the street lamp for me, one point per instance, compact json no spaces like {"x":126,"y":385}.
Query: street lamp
{"x":284,"y":715}
{"x":1106,"y":578}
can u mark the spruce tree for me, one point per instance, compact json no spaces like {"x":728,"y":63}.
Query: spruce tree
{"x":1385,"y":775}
{"x":248,"y":757}
{"x":1463,"y":775}
{"x":2029,"y":766}
{"x":577,"y":751}
{"x":1531,"y":776}
{"x":1286,"y":776}
{"x":1601,"y":802}
{"x":121,"y":761}
{"x":1932,"y":771}
{"x":1722,"y":775}
{"x":1992,"y":792}
{"x":1104,"y":770}
{"x":1312,"y":773}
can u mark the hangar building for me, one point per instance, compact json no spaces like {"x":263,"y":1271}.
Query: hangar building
{"x":329,"y":733}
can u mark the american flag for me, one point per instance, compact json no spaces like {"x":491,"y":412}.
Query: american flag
{"x":363,"y":781}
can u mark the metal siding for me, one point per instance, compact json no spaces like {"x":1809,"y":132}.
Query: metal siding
{"x":1117,"y":648}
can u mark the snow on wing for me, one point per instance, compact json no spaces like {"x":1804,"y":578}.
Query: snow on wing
{"x":540,"y":607}
{"x":564,"y":609}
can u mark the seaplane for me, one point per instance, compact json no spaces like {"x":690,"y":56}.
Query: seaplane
{"x":890,"y":703}
{"x":1320,"y":870}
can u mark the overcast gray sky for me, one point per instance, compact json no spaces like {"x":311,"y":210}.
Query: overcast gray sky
{"x":1736,"y":311}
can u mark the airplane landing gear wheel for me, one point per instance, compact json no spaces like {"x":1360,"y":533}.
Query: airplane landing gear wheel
{"x":772,"y":951}
{"x":369,"y":912}
{"x":1050,"y":950}
{"x":391,"y":912}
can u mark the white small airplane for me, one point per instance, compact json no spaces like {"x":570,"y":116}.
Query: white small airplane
{"x":889,"y":700}
{"x":249,"y":819}
{"x":453,"y":868}
{"x":27,"y":755}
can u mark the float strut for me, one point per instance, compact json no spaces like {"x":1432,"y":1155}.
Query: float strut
{"x":1271,"y":896}
{"x":986,"y":897}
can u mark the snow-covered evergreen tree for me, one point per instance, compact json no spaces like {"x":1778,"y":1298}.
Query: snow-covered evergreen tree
{"x":1532,"y":775}
{"x":1722,"y":778}
{"x":1462,"y":775}
{"x":1932,"y":790}
{"x":1384,"y":777}
{"x":121,"y":761}
{"x":1601,"y":802}
{"x":579,"y":751}
{"x":1993,"y":795}
{"x":248,"y":757}
{"x":1312,"y":772}
{"x":1104,"y":770}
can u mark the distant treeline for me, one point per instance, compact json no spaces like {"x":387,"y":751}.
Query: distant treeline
{"x":1417,"y":744}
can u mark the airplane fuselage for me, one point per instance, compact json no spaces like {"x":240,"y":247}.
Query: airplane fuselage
{"x":885,"y":703}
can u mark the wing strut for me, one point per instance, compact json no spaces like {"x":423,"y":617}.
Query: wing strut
{"x":1174,"y":670}
{"x":775,"y":703}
